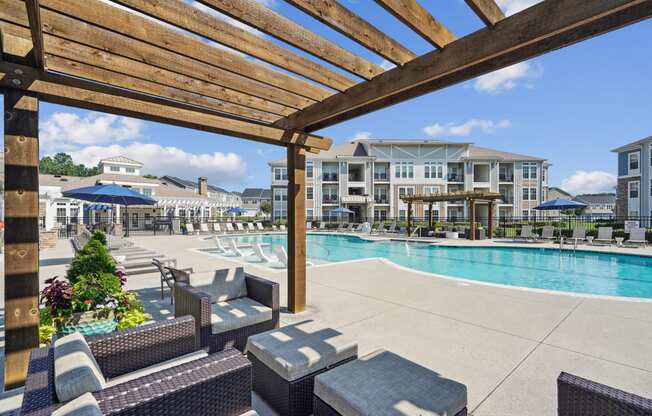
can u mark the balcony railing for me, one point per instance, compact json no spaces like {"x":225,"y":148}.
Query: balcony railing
{"x":355,"y":178}
{"x":455,"y":178}
{"x":329,"y":177}
{"x":381,"y":200}
{"x":507,"y":199}
{"x":329,"y":199}
{"x":506,"y":178}
{"x":381,"y":176}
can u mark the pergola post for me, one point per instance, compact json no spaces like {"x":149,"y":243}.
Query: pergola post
{"x":21,"y":233}
{"x":409,"y":219}
{"x":491,"y":219}
{"x":472,"y":218}
{"x":430,"y":215}
{"x":296,"y":159}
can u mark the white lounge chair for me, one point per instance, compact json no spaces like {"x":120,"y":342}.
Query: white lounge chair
{"x":259,"y":226}
{"x":605,"y":236}
{"x":526,"y":234}
{"x":309,"y":225}
{"x":250,"y":227}
{"x":579,"y":234}
{"x":274,"y":227}
{"x":359,"y":228}
{"x":322,"y":226}
{"x":190,"y":228}
{"x":282,"y":228}
{"x":229,"y":227}
{"x":258,"y":252}
{"x":282,"y":256}
{"x":218,"y":244}
{"x":381,"y":228}
{"x":548,"y":232}
{"x":217,"y":228}
{"x":234,"y":248}
{"x":637,"y":237}
{"x":203,"y":227}
{"x":392,"y":228}
{"x":239,"y":227}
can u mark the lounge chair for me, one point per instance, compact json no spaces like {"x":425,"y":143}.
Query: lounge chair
{"x":381,"y":228}
{"x":218,"y":244}
{"x":190,"y":228}
{"x":282,"y":256}
{"x":309,"y":225}
{"x":322,"y":226}
{"x":229,"y":227}
{"x":579,"y":396}
{"x":548,"y":233}
{"x":340,"y":227}
{"x":144,"y":370}
{"x":239,"y":227}
{"x":229,"y":306}
{"x":359,"y":228}
{"x":274,"y":228}
{"x":392,"y":228}
{"x":527,"y":233}
{"x":258,"y":252}
{"x":234,"y":248}
{"x":282,"y":228}
{"x":637,"y":237}
{"x":579,"y":234}
{"x":216,"y":228}
{"x":402,"y":231}
{"x":605,"y":236}
{"x":250,"y":227}
{"x":259,"y":227}
{"x":203,"y":227}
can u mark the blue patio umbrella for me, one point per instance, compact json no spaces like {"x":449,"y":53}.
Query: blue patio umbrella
{"x":110,"y":194}
{"x":342,"y":210}
{"x":235,"y":210}
{"x":560,"y":204}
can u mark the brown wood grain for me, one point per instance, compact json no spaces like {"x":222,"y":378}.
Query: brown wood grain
{"x":34,"y":17}
{"x":487,"y":10}
{"x":296,"y":229}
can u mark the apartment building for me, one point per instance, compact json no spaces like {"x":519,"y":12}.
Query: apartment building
{"x":634,"y":187}
{"x":252,"y":198}
{"x":370,"y":176}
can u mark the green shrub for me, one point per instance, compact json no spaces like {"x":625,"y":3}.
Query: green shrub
{"x":46,"y":327}
{"x":93,"y":258}
{"x":132,"y":319}
{"x":95,"y":289}
{"x":99,"y":236}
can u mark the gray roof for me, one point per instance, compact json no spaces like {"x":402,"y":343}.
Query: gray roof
{"x":590,"y":199}
{"x":476,"y":152}
{"x":121,"y":159}
{"x":184,"y":183}
{"x":632,"y":145}
{"x":257,"y":193}
{"x":561,"y":191}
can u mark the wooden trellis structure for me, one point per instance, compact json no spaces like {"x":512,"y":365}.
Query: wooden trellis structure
{"x":469,"y":197}
{"x":156,"y":65}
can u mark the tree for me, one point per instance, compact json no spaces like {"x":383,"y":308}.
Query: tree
{"x":266,"y":207}
{"x":62,"y":164}
{"x":149,"y":176}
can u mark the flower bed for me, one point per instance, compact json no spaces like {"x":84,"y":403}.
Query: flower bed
{"x":91,"y":299}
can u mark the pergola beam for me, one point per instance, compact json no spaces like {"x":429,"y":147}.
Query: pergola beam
{"x":34,"y":17}
{"x":487,"y":10}
{"x":268,"y":21}
{"x":413,"y":15}
{"x":547,"y":26}
{"x":333,"y":14}
{"x":75,"y":92}
{"x":204,"y":24}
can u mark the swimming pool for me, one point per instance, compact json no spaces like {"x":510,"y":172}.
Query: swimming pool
{"x":581,"y":272}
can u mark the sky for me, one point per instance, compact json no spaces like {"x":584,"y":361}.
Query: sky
{"x":570,"y":107}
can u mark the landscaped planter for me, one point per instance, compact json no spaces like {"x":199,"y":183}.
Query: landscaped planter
{"x":89,"y":323}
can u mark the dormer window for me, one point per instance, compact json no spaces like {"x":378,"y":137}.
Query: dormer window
{"x":114,"y":168}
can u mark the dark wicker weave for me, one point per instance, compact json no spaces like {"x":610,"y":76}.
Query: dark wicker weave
{"x":219,"y":384}
{"x":321,"y":408}
{"x":194,"y":302}
{"x":581,"y":397}
{"x":291,"y":398}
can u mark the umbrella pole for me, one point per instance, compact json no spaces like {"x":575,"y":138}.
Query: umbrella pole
{"x":127,"y":220}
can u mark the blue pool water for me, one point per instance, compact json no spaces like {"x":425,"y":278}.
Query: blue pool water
{"x":582,"y":272}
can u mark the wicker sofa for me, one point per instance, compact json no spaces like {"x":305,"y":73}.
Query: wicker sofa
{"x":217,"y":384}
{"x":222,"y":311}
{"x":578,"y":396}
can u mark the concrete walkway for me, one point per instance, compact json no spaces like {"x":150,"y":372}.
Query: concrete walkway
{"x":506,"y":345}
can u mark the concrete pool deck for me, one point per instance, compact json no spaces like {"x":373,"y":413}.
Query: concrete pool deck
{"x":506,"y":345}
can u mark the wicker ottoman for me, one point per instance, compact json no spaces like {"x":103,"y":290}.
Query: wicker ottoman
{"x":285,"y":362}
{"x":385,"y":384}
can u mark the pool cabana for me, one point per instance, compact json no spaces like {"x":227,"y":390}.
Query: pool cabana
{"x":469,"y":198}
{"x":151,"y":65}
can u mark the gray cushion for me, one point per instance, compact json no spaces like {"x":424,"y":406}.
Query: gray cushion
{"x":222,"y":285}
{"x":384,"y":384}
{"x":238,"y":313}
{"x":84,"y":405}
{"x":75,"y":370}
{"x":297,"y":350}
{"x":157,"y":367}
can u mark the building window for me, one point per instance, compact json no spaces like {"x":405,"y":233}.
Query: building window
{"x":633,"y":161}
{"x":131,"y":170}
{"x":633,"y":190}
{"x":402,"y":214}
{"x":529,"y":170}
{"x":404,"y":169}
{"x":433,"y":170}
{"x":114,"y":168}
{"x":405,"y":190}
{"x":309,"y":214}
{"x":431,"y":190}
{"x":309,"y":193}
{"x":147,"y":191}
{"x":529,"y":194}
{"x":134,"y":220}
{"x":280,"y":174}
{"x":309,"y":170}
{"x":526,"y":214}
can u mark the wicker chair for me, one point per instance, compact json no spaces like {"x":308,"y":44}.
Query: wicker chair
{"x":193,"y":301}
{"x":216,"y":384}
{"x":169,"y":273}
{"x":581,"y":397}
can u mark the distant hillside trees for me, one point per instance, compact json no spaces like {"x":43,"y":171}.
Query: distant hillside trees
{"x":62,"y":164}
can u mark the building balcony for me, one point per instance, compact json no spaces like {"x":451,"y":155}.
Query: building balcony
{"x":506,"y":178}
{"x":507,"y":199}
{"x":356,"y":199}
{"x":383,"y":200}
{"x":356,"y":178}
{"x":329,"y":199}
{"x":455,"y":178}
{"x":381,"y":177}
{"x":329,"y":177}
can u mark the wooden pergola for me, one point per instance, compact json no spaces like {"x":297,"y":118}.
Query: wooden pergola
{"x":470,"y":197}
{"x":181,"y":65}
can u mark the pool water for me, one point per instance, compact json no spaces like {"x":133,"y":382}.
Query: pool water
{"x":581,"y":272}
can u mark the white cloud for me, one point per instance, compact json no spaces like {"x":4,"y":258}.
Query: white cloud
{"x":160,"y":160}
{"x":65,"y":131}
{"x":514,"y":6}
{"x":584,"y":182}
{"x":465,"y":129}
{"x":362,"y":135}
{"x":386,"y":65}
{"x":263,"y":152}
{"x":508,"y":78}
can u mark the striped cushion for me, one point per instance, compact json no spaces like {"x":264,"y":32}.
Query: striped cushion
{"x":75,"y":370}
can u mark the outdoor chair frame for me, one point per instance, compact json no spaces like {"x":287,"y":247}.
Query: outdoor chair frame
{"x":192,"y":301}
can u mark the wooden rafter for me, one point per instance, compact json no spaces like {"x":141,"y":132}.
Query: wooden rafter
{"x":411,"y":13}
{"x":487,"y":10}
{"x":75,"y":92}
{"x":542,"y":28}
{"x":143,"y":29}
{"x":266,"y":20}
{"x":34,"y":17}
{"x":331,"y":13}
{"x":197,"y":21}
